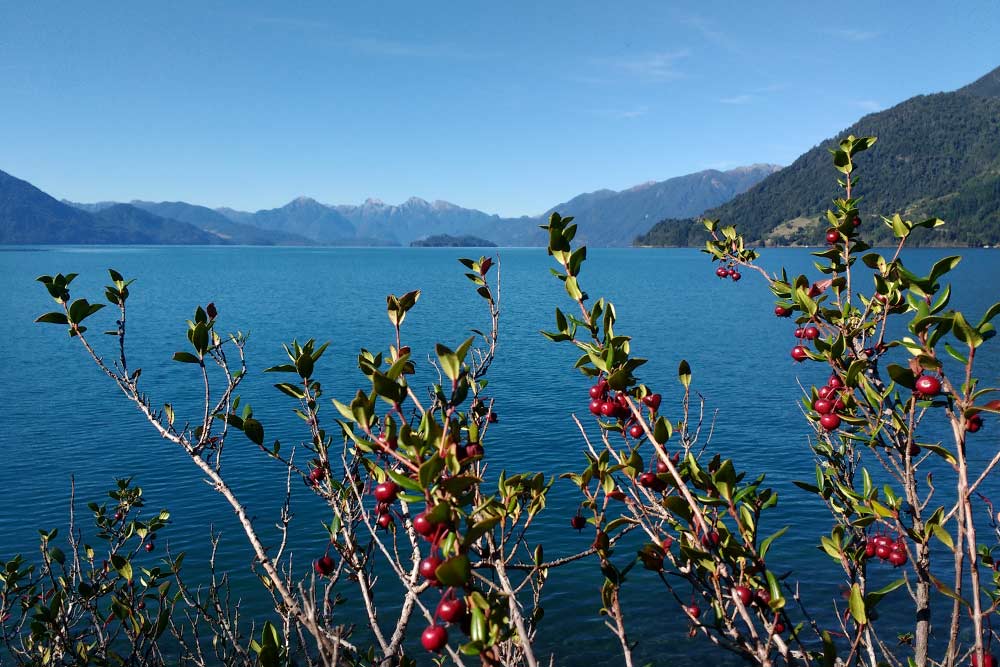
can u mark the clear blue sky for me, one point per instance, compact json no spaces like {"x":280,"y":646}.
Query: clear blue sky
{"x":509,"y":107}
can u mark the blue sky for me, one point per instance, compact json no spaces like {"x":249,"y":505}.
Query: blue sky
{"x":509,"y":107}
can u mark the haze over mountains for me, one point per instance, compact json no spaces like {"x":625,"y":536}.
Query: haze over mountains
{"x":606,"y":217}
{"x":937,"y":156}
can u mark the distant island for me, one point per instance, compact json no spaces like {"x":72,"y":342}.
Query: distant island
{"x":448,"y":241}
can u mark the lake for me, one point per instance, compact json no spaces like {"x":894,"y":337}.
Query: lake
{"x":60,"y":417}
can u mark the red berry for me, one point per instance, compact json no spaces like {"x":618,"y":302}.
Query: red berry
{"x":578,"y":522}
{"x":609,"y":408}
{"x":595,"y":406}
{"x":927,"y":385}
{"x":800,"y":353}
{"x":744,"y":594}
{"x":598,"y":390}
{"x":428,"y":568}
{"x":882,"y":551}
{"x":834,"y":382}
{"x":798,"y":332}
{"x":988,"y":660}
{"x":667,"y":542}
{"x":386,"y":492}
{"x":493,"y":419}
{"x":856,"y":222}
{"x":692,"y":610}
{"x":781,"y":311}
{"x":324,"y":566}
{"x":384,"y":520}
{"x":735,"y":275}
{"x":810,"y":332}
{"x":830,"y":421}
{"x":973,"y":423}
{"x":647,"y":479}
{"x":451,"y":610}
{"x":434,"y":638}
{"x":832,"y":236}
{"x":710,"y":540}
{"x":317,"y":474}
{"x":870,"y":548}
{"x":661,"y":467}
{"x":763,"y":597}
{"x":823,"y":406}
{"x":652,"y":401}
{"x":722,"y":272}
{"x":779,"y":627}
{"x":422,"y":524}
{"x":474,"y":449}
{"x":824,"y":392}
{"x":897,"y":557}
{"x":150,"y":546}
{"x":635,"y":430}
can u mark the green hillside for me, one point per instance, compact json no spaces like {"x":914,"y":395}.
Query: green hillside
{"x":937,"y":155}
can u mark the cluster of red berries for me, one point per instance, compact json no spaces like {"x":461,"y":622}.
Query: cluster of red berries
{"x":728,"y":272}
{"x":829,"y":402}
{"x":762,"y":598}
{"x":385,"y":495}
{"x":808,"y":332}
{"x":449,"y":610}
{"x":604,"y":404}
{"x":886,"y":549}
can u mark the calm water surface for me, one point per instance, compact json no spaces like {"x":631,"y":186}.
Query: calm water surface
{"x":60,"y":417}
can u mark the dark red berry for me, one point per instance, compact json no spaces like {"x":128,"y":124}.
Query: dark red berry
{"x":830,"y":421}
{"x":762,"y":597}
{"x":386,"y":492}
{"x":598,"y":390}
{"x":856,"y":222}
{"x":800,"y":353}
{"x":609,"y":408}
{"x":882,"y":551}
{"x":779,"y":627}
{"x":692,"y":610}
{"x":578,"y":522}
{"x":635,"y":430}
{"x":927,"y":385}
{"x":422,"y":524}
{"x":493,"y":419}
{"x":434,"y":638}
{"x":870,"y":548}
{"x":324,"y":566}
{"x":428,"y":568}
{"x":824,"y":392}
{"x":798,"y":332}
{"x":211,"y":311}
{"x":595,"y":406}
{"x":897,"y":557}
{"x":973,"y":423}
{"x":451,"y":610}
{"x":810,"y":332}
{"x":652,"y":401}
{"x":834,"y":382}
{"x":647,"y":479}
{"x":384,"y":520}
{"x":823,"y":406}
{"x":149,"y":546}
{"x":722,"y":272}
{"x":832,"y":236}
{"x":743,"y":594}
{"x":781,"y":311}
{"x":735,"y":275}
{"x":317,"y":474}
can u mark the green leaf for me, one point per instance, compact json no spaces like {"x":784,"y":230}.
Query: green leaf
{"x":122,"y":566}
{"x":684,"y":373}
{"x":429,"y":470}
{"x":449,"y":362}
{"x":455,"y":571}
{"x":857,"y":605}
{"x":766,"y":544}
{"x":304,"y":365}
{"x":254,"y":430}
{"x":186,"y":357}
{"x":52,"y":318}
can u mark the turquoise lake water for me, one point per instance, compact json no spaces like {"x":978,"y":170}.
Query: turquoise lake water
{"x":61,"y":417}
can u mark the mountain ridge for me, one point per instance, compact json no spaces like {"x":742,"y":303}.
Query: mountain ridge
{"x":937,"y":155}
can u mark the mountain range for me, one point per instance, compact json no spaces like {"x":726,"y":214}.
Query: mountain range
{"x":937,"y":156}
{"x":605,"y":217}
